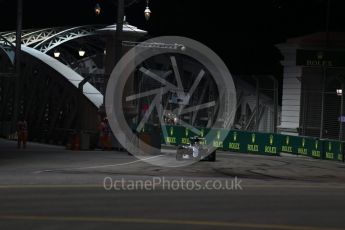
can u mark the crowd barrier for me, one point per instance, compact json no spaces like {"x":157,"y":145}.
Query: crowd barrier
{"x":257,"y":143}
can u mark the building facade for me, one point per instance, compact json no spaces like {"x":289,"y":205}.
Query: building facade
{"x":314,"y":73}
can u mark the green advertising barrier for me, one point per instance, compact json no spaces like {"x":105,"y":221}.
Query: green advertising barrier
{"x":235,"y":142}
{"x":333,"y":150}
{"x":187,"y":133}
{"x":259,"y":143}
{"x":271,"y":144}
{"x":177,"y":135}
{"x":317,"y":148}
{"x":250,"y":142}
{"x":288,"y":144}
{"x":174,"y":134}
{"x":216,"y":138}
{"x":304,"y":146}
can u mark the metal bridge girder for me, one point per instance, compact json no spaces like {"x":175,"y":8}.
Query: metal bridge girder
{"x":7,"y":47}
{"x":11,"y":36}
{"x":40,"y":35}
{"x":65,"y":36}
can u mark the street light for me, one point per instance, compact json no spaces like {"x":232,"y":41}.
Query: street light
{"x":147,"y":11}
{"x":56,"y":54}
{"x":341,"y":95}
{"x":116,"y":46}
{"x":81,"y":53}
{"x":339,"y":92}
{"x":98,"y":9}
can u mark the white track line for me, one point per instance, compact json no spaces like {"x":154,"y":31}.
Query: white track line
{"x":100,"y":166}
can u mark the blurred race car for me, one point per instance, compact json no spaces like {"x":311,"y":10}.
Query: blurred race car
{"x":195,"y":151}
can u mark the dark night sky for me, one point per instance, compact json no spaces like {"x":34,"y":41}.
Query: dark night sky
{"x":242,"y":32}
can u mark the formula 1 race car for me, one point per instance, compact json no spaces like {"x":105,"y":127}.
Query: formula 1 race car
{"x":195,"y":151}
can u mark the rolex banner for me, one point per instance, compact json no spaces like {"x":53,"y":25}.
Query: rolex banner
{"x":172,"y":134}
{"x":235,"y":142}
{"x":304,"y":146}
{"x":261,"y":143}
{"x":256,"y":143}
{"x":333,"y":150}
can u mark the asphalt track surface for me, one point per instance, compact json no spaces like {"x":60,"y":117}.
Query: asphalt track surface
{"x":48,"y":187}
